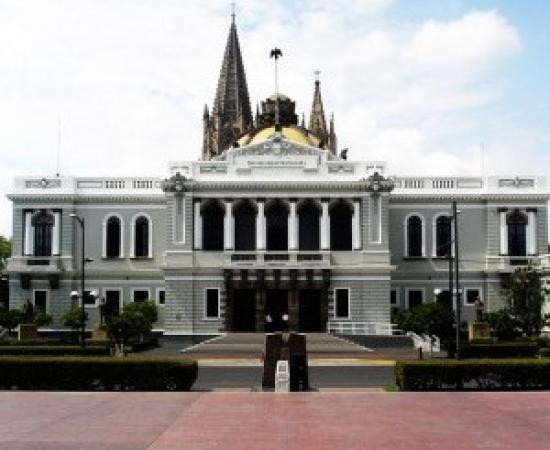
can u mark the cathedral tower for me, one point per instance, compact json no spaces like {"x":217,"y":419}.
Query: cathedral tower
{"x":231,"y":114}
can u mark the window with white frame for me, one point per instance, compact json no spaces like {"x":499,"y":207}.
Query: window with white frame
{"x":212,"y":306}
{"x":161,"y":297}
{"x":472,"y":295}
{"x":140,"y":295}
{"x":112,"y":237}
{"x":89,"y":299}
{"x":113,"y":302}
{"x":40,"y":299}
{"x":415,"y":297}
{"x":341,"y":303}
{"x":414,"y":237}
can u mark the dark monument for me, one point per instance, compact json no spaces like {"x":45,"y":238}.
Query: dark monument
{"x":293,"y":350}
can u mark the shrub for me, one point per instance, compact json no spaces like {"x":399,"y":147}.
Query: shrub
{"x":10,"y":318}
{"x":41,"y":318}
{"x":433,"y":375}
{"x":503,"y":325}
{"x":544,"y":352}
{"x":505,"y":350}
{"x":54,"y":350}
{"x":91,"y":374}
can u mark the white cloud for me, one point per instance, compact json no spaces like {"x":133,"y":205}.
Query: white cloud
{"x":477,"y":39}
{"x":130,"y":78}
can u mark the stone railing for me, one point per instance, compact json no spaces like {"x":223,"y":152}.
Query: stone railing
{"x":291,"y":258}
{"x":360,"y":328}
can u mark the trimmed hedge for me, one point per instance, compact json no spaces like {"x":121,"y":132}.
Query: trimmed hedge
{"x":480,"y":374}
{"x":504,"y":350}
{"x":52,"y":342}
{"x":97,"y":374}
{"x":54,"y":350}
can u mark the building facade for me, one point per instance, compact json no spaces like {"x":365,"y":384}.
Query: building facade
{"x":271,"y":229}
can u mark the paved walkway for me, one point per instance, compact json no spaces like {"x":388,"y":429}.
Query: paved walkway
{"x":301,"y":421}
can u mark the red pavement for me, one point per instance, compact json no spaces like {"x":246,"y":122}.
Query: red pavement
{"x":301,"y":421}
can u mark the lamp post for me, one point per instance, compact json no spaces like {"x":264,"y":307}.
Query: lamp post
{"x":458,"y":299}
{"x":84,"y":260}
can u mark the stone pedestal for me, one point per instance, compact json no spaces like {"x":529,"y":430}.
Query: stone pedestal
{"x":26,"y":332}
{"x":99,"y":334}
{"x":479,"y":330}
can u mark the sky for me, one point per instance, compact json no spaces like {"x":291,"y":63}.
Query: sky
{"x":421,"y":84}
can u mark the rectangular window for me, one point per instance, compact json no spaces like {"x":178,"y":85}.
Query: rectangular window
{"x":88,"y":299}
{"x":471,"y":296}
{"x":415,"y":297}
{"x":141,"y":295}
{"x":341,"y":303}
{"x":212,"y":303}
{"x":112,"y":302}
{"x":393,"y":297}
{"x":161,"y":296}
{"x":41,"y":300}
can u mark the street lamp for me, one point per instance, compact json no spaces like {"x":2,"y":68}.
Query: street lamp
{"x":85,"y":260}
{"x":458,"y":300}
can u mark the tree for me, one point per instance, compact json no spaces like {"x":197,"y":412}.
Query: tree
{"x":503,"y":325}
{"x":526,"y":296}
{"x":11,"y":318}
{"x":5,"y":251}
{"x":136,"y":320}
{"x":428,"y":318}
{"x":41,"y":318}
{"x":74,"y":318}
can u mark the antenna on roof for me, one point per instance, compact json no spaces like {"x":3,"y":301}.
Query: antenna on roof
{"x":276,"y":53}
{"x":482,"y":160}
{"x":58,"y":155}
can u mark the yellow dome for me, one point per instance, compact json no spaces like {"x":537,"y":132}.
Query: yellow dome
{"x":294,"y":134}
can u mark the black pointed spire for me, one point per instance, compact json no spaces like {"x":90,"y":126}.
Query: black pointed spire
{"x":317,"y":121}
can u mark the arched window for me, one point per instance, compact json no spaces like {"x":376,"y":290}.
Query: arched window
{"x":443,"y":237}
{"x":43,"y":222}
{"x":341,"y":214}
{"x":414,"y":237}
{"x":277,"y":226}
{"x":141,"y":238}
{"x":308,"y":225}
{"x":212,"y":213}
{"x":517,"y":224}
{"x":113,"y":238}
{"x":244,"y":213}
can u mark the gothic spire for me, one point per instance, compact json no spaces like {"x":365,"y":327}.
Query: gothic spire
{"x":317,"y":122}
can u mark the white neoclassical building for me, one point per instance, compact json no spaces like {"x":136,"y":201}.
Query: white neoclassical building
{"x":272,"y":223}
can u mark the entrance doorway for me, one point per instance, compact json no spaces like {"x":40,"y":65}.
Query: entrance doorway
{"x":276,"y":305}
{"x":309,"y":308}
{"x":244,"y":310}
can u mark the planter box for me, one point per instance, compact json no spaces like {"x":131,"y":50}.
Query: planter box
{"x":27,"y":331}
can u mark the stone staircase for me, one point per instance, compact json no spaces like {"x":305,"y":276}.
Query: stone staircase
{"x":251,"y":345}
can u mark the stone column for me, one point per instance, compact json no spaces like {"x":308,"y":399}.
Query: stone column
{"x":356,"y":227}
{"x":228,"y":225}
{"x":260,"y":226}
{"x":531,"y":231}
{"x":503,"y":231}
{"x":292,"y":227}
{"x":56,"y":233}
{"x":325,"y":226}
{"x":293,"y":309}
{"x":260,"y":300}
{"x":29,"y":235}
{"x":197,"y":228}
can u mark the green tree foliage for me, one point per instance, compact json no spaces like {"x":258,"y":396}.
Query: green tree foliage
{"x":5,"y":251}
{"x":526,"y":297}
{"x":137,"y":319}
{"x":10,"y":318}
{"x":503,"y":325}
{"x":73,"y":318}
{"x":41,"y":318}
{"x":428,"y":318}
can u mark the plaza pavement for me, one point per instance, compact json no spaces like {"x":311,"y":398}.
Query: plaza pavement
{"x":356,"y":419}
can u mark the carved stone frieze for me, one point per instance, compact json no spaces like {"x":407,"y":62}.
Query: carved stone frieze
{"x":378,"y":183}
{"x":176,"y":183}
{"x":516,"y":182}
{"x":43,"y":183}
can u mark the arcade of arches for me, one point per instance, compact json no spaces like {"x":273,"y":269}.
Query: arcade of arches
{"x":277,"y":225}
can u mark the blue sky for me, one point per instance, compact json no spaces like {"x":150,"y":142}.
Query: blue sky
{"x":421,"y":84}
